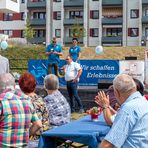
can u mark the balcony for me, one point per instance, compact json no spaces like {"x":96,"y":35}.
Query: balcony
{"x":144,"y":2}
{"x":112,"y":2}
{"x":33,"y":5}
{"x":73,"y":21}
{"x":73,"y":3}
{"x":9,"y":6}
{"x":112,"y":21}
{"x":37,"y":22}
{"x":112,"y":40}
{"x":37,"y":40}
{"x":145,"y":20}
{"x":68,"y":40}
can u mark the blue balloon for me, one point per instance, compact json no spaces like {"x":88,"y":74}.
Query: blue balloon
{"x":4,"y":45}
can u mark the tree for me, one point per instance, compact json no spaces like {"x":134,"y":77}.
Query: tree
{"x":78,"y":31}
{"x":28,"y":32}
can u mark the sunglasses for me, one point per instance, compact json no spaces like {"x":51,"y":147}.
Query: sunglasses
{"x":54,"y":42}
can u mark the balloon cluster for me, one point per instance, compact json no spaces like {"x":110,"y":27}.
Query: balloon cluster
{"x":3,"y":45}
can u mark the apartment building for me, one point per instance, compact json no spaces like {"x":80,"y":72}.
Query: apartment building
{"x":107,"y":22}
{"x":12,"y":23}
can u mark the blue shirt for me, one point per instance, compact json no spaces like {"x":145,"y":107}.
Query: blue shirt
{"x":74,"y":52}
{"x":130,"y":127}
{"x":53,"y":58}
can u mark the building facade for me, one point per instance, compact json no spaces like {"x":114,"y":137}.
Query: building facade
{"x":107,"y":22}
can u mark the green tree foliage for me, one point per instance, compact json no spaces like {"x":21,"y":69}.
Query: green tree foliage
{"x":28,"y":32}
{"x":78,"y":31}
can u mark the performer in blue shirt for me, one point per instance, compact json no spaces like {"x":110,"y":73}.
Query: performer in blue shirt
{"x":75,"y":51}
{"x":53,"y":51}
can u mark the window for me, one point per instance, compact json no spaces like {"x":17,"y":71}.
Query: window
{"x":75,"y":14}
{"x":114,"y":31}
{"x":57,"y":0}
{"x":39,"y":15}
{"x":8,"y":17}
{"x":39,"y":33}
{"x":94,"y":32}
{"x":22,"y":33}
{"x":58,"y":33}
{"x":94,"y":14}
{"x":146,"y":12}
{"x":133,"y":32}
{"x":8,"y":32}
{"x":57,"y":15}
{"x":134,"y":13}
{"x":22,"y":1}
{"x":146,"y":32}
{"x":22,"y":16}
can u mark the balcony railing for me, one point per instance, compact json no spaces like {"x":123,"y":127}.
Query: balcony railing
{"x":73,"y":21}
{"x":144,"y":2}
{"x":73,"y":3}
{"x":145,"y":20}
{"x":112,"y":2}
{"x":112,"y":21}
{"x":37,"y":40}
{"x":112,"y":40}
{"x":68,"y":40}
{"x":36,"y":4}
{"x":37,"y":22}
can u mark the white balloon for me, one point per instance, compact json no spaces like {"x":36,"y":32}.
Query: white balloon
{"x":99,"y":49}
{"x":4,"y":44}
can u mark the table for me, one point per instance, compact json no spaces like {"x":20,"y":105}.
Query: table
{"x":82,"y":131}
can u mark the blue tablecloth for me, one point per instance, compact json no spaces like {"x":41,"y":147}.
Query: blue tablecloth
{"x":82,"y":131}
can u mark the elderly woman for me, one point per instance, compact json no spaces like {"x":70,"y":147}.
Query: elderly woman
{"x":58,"y":107}
{"x":27,"y":83}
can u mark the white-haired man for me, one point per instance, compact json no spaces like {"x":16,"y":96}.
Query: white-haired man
{"x":130,"y":128}
{"x":16,"y":115}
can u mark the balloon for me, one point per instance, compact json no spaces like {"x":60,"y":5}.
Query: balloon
{"x":4,"y":45}
{"x":99,"y":49}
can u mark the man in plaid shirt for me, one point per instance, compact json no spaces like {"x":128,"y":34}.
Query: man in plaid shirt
{"x":16,"y":115}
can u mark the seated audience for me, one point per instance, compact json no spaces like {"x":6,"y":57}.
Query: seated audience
{"x":110,"y":115}
{"x":27,"y":83}
{"x":58,"y":107}
{"x":130,"y":126}
{"x":16,"y":115}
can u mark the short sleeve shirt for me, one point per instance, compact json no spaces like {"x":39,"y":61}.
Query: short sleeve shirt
{"x":53,"y":58}
{"x":71,"y":71}
{"x":74,"y":52}
{"x":130,"y":128}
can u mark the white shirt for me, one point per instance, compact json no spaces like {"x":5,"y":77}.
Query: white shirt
{"x":4,"y":65}
{"x":71,"y":71}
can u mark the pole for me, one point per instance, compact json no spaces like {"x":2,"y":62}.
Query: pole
{"x":146,"y":63}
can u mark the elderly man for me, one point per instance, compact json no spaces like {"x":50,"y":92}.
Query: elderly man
{"x":130,"y":128}
{"x":57,"y":105}
{"x":73,"y":72}
{"x":16,"y":115}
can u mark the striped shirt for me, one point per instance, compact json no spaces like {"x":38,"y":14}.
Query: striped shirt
{"x":16,"y":115}
{"x":130,"y":127}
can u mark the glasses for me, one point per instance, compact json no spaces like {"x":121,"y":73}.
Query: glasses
{"x":53,"y":42}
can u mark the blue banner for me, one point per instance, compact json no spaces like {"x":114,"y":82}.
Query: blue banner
{"x":94,"y":71}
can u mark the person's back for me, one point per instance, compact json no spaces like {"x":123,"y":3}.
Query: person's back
{"x":4,"y":65}
{"x":57,"y":105}
{"x":137,"y":111}
{"x":15,"y":117}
